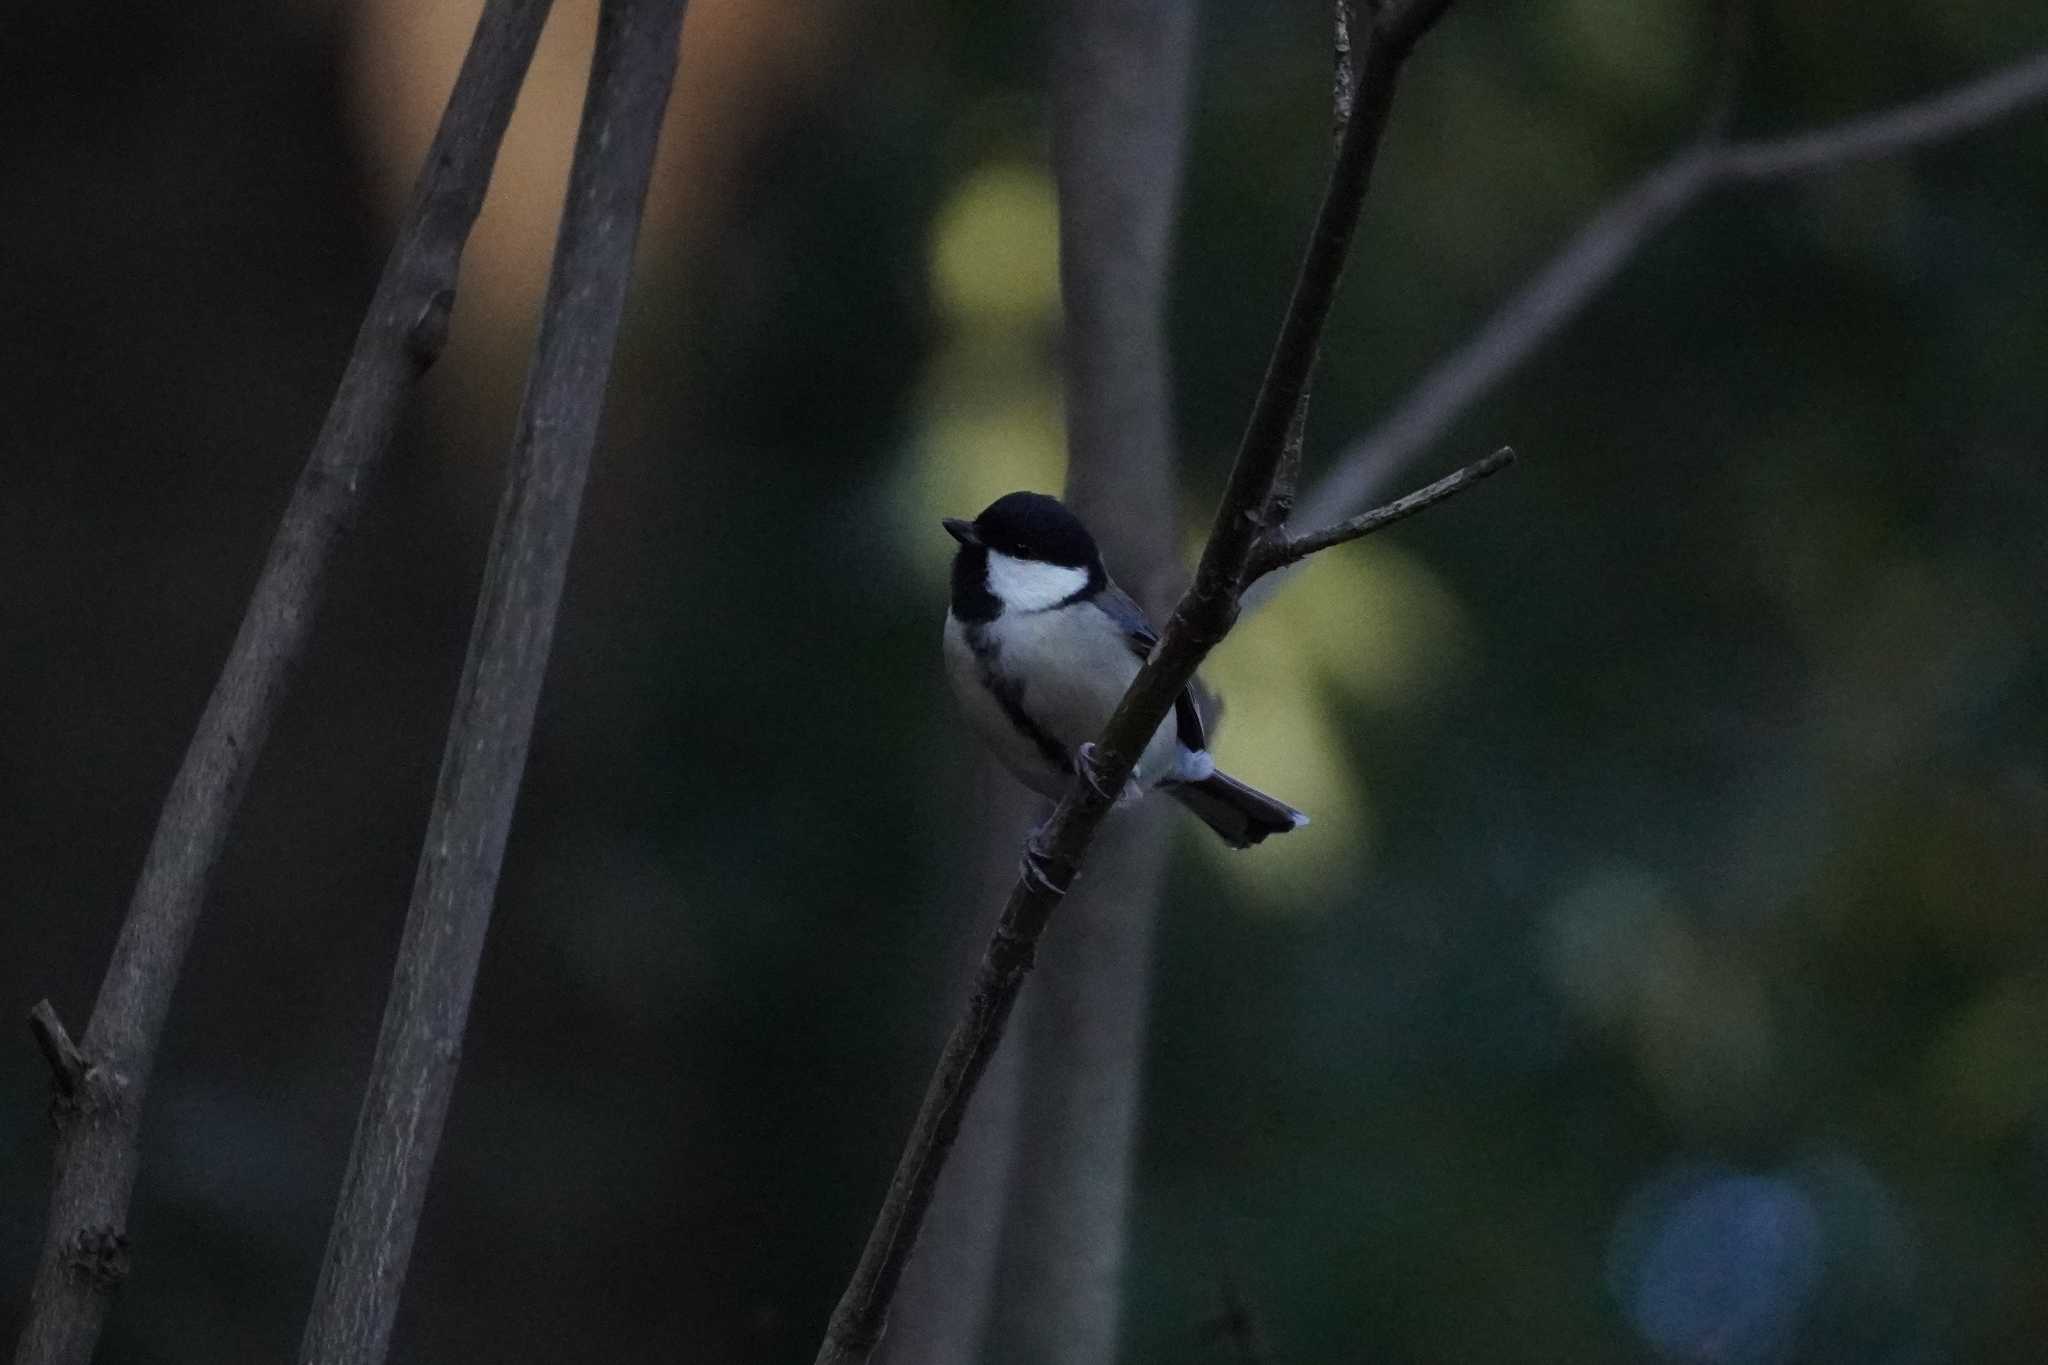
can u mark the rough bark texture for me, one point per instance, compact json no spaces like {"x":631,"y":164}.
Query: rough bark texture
{"x":85,"y":1251}
{"x":420,"y":1043}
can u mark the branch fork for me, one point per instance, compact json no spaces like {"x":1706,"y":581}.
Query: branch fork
{"x":101,"y":1255}
{"x":1279,"y":548}
{"x":70,"y":1069}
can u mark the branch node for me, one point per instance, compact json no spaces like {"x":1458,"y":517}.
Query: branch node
{"x":428,"y":334}
{"x":100,"y":1254}
{"x":69,"y":1067}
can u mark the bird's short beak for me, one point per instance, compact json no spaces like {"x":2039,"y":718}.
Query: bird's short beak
{"x":962,"y":531}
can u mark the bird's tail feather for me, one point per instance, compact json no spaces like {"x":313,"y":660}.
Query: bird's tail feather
{"x":1241,"y":815}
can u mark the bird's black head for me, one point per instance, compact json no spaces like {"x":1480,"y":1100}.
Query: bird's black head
{"x":1030,"y":526}
{"x":1027,"y":527}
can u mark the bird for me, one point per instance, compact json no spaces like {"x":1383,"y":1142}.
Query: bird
{"x":1040,"y":645}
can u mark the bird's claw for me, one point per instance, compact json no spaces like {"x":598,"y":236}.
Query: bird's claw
{"x":1036,"y":866}
{"x":1089,"y":762}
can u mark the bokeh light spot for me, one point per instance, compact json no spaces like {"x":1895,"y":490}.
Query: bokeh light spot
{"x":1715,"y":1267}
{"x":1695,"y":1015}
{"x":995,"y":248}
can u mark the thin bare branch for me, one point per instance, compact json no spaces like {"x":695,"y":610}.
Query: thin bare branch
{"x":1557,"y":292}
{"x":1934,"y":119}
{"x":399,"y":1130}
{"x":1053,"y":856}
{"x":99,"y":1134}
{"x":1280,"y":549}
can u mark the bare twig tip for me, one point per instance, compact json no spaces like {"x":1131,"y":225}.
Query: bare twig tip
{"x":1278,"y":551}
{"x":68,"y":1065}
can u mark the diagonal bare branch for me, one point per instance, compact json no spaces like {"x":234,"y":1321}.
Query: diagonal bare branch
{"x":1936,"y":118}
{"x":399,"y":1129}
{"x":1598,"y":252}
{"x":99,"y":1134}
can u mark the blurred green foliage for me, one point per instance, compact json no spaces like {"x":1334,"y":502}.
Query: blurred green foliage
{"x":1664,"y":972}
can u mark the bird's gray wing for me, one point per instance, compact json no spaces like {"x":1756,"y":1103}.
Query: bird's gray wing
{"x":1118,"y":606}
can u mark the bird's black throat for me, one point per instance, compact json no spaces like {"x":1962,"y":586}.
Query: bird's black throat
{"x":972,"y":601}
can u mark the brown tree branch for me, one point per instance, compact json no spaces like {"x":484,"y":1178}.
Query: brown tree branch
{"x":420,"y":1043}
{"x":1557,"y":292}
{"x":98,"y":1145}
{"x":1054,"y":854}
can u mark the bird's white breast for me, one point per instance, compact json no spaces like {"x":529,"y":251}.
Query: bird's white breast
{"x":1070,"y":666}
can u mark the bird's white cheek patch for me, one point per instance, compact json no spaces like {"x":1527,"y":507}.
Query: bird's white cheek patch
{"x":1025,"y":585}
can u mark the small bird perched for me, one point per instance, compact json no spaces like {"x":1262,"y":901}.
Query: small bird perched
{"x":1040,"y":646}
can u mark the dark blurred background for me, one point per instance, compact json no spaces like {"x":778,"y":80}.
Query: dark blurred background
{"x":1663,"y":976}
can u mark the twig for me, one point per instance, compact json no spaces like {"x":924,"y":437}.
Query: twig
{"x":99,"y":1141}
{"x":68,"y":1065}
{"x":1055,"y":853}
{"x":1556,"y":294}
{"x":1279,"y":549}
{"x":420,"y":1042}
